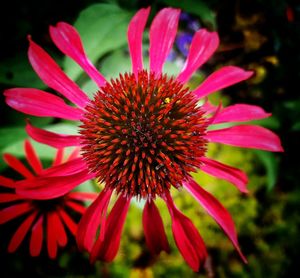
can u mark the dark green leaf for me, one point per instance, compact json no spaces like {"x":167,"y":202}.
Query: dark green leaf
{"x":18,"y":72}
{"x":271,"y":165}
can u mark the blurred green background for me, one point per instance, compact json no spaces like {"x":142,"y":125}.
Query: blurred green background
{"x":259,"y":35}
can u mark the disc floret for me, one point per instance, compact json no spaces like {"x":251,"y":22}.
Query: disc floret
{"x":142,"y":136}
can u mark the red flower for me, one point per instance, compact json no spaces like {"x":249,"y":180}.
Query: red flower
{"x":44,"y":218}
{"x":143,"y":133}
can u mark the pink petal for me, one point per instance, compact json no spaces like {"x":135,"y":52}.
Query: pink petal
{"x":21,"y":232}
{"x":44,"y":188}
{"x":14,"y":211}
{"x":53,"y":76}
{"x":65,"y":169}
{"x":135,"y":36}
{"x":240,"y":113}
{"x":39,"y":103}
{"x":32,"y":157}
{"x":72,"y":226}
{"x":58,"y":228}
{"x":216,"y":112}
{"x":50,"y":138}
{"x":155,"y":235}
{"x":162,"y":35}
{"x":67,"y":39}
{"x":9,"y":197}
{"x":221,"y":79}
{"x":75,"y":206}
{"x":36,"y":238}
{"x":208,"y":108}
{"x":7,"y":182}
{"x":17,"y":165}
{"x":216,"y":210}
{"x":82,"y":196}
{"x":59,"y":157}
{"x":247,"y":136}
{"x":94,"y":217}
{"x":187,"y":238}
{"x":51,"y":237}
{"x":74,"y":154}
{"x":226,"y":172}
{"x":203,"y":45}
{"x":106,"y":249}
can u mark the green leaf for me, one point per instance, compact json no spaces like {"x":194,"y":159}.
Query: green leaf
{"x":171,"y":68}
{"x":271,"y":122}
{"x":296,"y":126}
{"x":17,"y":118}
{"x":88,"y":186}
{"x":117,"y":62}
{"x":199,"y":8}
{"x":103,"y":28}
{"x":271,"y":165}
{"x":10,"y":135}
{"x":18,"y":72}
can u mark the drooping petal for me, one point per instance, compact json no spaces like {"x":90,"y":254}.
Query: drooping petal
{"x":187,"y":238}
{"x":7,"y":182}
{"x":39,"y":103}
{"x":58,"y":228}
{"x":135,"y":35}
{"x":58,"y":157}
{"x":216,"y":210}
{"x":74,"y":154}
{"x":17,"y":165}
{"x":52,"y":75}
{"x":246,"y":136}
{"x":67,"y":39}
{"x":75,"y":206}
{"x":21,"y":232}
{"x":208,"y":107}
{"x":94,"y":217}
{"x":65,"y":169}
{"x":14,"y":211}
{"x":82,"y":196}
{"x":106,"y":249}
{"x":162,"y":35}
{"x":226,"y":172}
{"x":44,"y":188}
{"x":155,"y":235}
{"x":50,"y":138}
{"x":32,"y":157}
{"x":240,"y":113}
{"x":220,"y":79}
{"x":214,"y":115}
{"x":72,"y":226}
{"x":51,"y":237}
{"x":9,"y":197}
{"x":36,"y":238}
{"x":203,"y":45}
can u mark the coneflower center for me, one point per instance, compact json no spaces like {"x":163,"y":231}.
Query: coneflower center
{"x":142,"y":136}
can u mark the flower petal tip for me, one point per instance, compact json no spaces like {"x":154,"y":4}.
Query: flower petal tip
{"x":280,"y":149}
{"x":244,"y":259}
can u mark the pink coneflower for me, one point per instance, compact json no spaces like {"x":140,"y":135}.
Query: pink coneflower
{"x":143,"y":133}
{"x":46,"y":219}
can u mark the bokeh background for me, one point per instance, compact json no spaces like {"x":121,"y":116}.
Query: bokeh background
{"x":263,"y":36}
